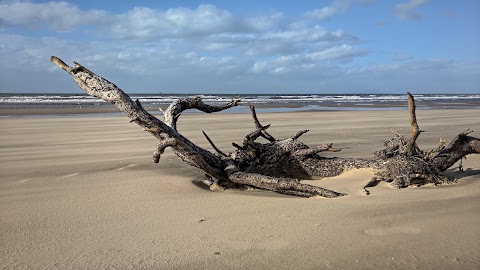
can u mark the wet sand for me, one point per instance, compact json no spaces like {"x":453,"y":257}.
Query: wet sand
{"x":82,"y":192}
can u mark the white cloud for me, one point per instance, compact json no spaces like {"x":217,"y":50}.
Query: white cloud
{"x":217,"y":46}
{"x":406,"y":66}
{"x":343,"y":53}
{"x":308,"y":62}
{"x":60,"y":16}
{"x":314,"y":34}
{"x":204,"y":44}
{"x":291,"y":41}
{"x":322,"y":13}
{"x":151,"y":24}
{"x":280,"y":70}
{"x":259,"y":67}
{"x":407,"y":11}
{"x":336,"y":6}
{"x":138,"y":23}
{"x":204,"y":21}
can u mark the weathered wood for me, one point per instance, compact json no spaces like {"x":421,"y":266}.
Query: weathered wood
{"x":412,"y":146}
{"x":161,"y":145}
{"x":458,"y":148}
{"x":213,"y":145}
{"x":279,"y":164}
{"x":287,"y":186}
{"x":299,"y":133}
{"x":318,"y":149}
{"x":221,"y":169}
{"x":259,"y":126}
{"x":173,"y":112}
{"x":101,"y":88}
{"x":406,"y":164}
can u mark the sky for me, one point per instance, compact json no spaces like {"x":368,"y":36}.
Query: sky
{"x":234,"y":47}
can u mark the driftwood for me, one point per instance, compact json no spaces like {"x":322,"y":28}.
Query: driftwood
{"x":278,"y":165}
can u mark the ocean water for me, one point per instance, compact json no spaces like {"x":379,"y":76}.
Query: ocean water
{"x":264,"y":103}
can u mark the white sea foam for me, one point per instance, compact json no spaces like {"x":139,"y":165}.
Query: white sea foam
{"x":165,"y":99}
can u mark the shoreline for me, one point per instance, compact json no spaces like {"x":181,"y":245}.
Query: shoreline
{"x":75,"y":104}
{"x":243,"y":108}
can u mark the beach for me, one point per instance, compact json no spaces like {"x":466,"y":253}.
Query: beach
{"x":82,"y":192}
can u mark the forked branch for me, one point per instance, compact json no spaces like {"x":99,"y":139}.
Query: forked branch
{"x":259,"y":126}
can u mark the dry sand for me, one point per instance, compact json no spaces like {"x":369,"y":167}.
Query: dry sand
{"x":82,"y":192}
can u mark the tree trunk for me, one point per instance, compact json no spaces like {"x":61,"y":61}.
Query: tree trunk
{"x":279,"y":164}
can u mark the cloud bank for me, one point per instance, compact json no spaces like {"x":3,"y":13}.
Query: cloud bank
{"x":202,"y":49}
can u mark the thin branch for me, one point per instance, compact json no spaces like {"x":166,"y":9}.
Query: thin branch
{"x":411,"y":147}
{"x":467,"y":131}
{"x":213,"y":145}
{"x":320,"y":148}
{"x":441,"y":145}
{"x":299,"y":133}
{"x":250,"y":138}
{"x":255,"y":118}
{"x":57,"y":61}
{"x":237,"y":146}
{"x":173,"y":112}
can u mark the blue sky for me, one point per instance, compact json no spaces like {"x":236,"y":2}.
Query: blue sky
{"x":339,"y":46}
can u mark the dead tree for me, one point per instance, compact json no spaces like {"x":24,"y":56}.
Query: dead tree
{"x":277,"y":165}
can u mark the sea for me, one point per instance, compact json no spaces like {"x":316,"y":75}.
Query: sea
{"x":262,"y":102}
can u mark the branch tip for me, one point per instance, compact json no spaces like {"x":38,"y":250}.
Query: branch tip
{"x":213,"y":145}
{"x":57,"y":61}
{"x":237,"y":146}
